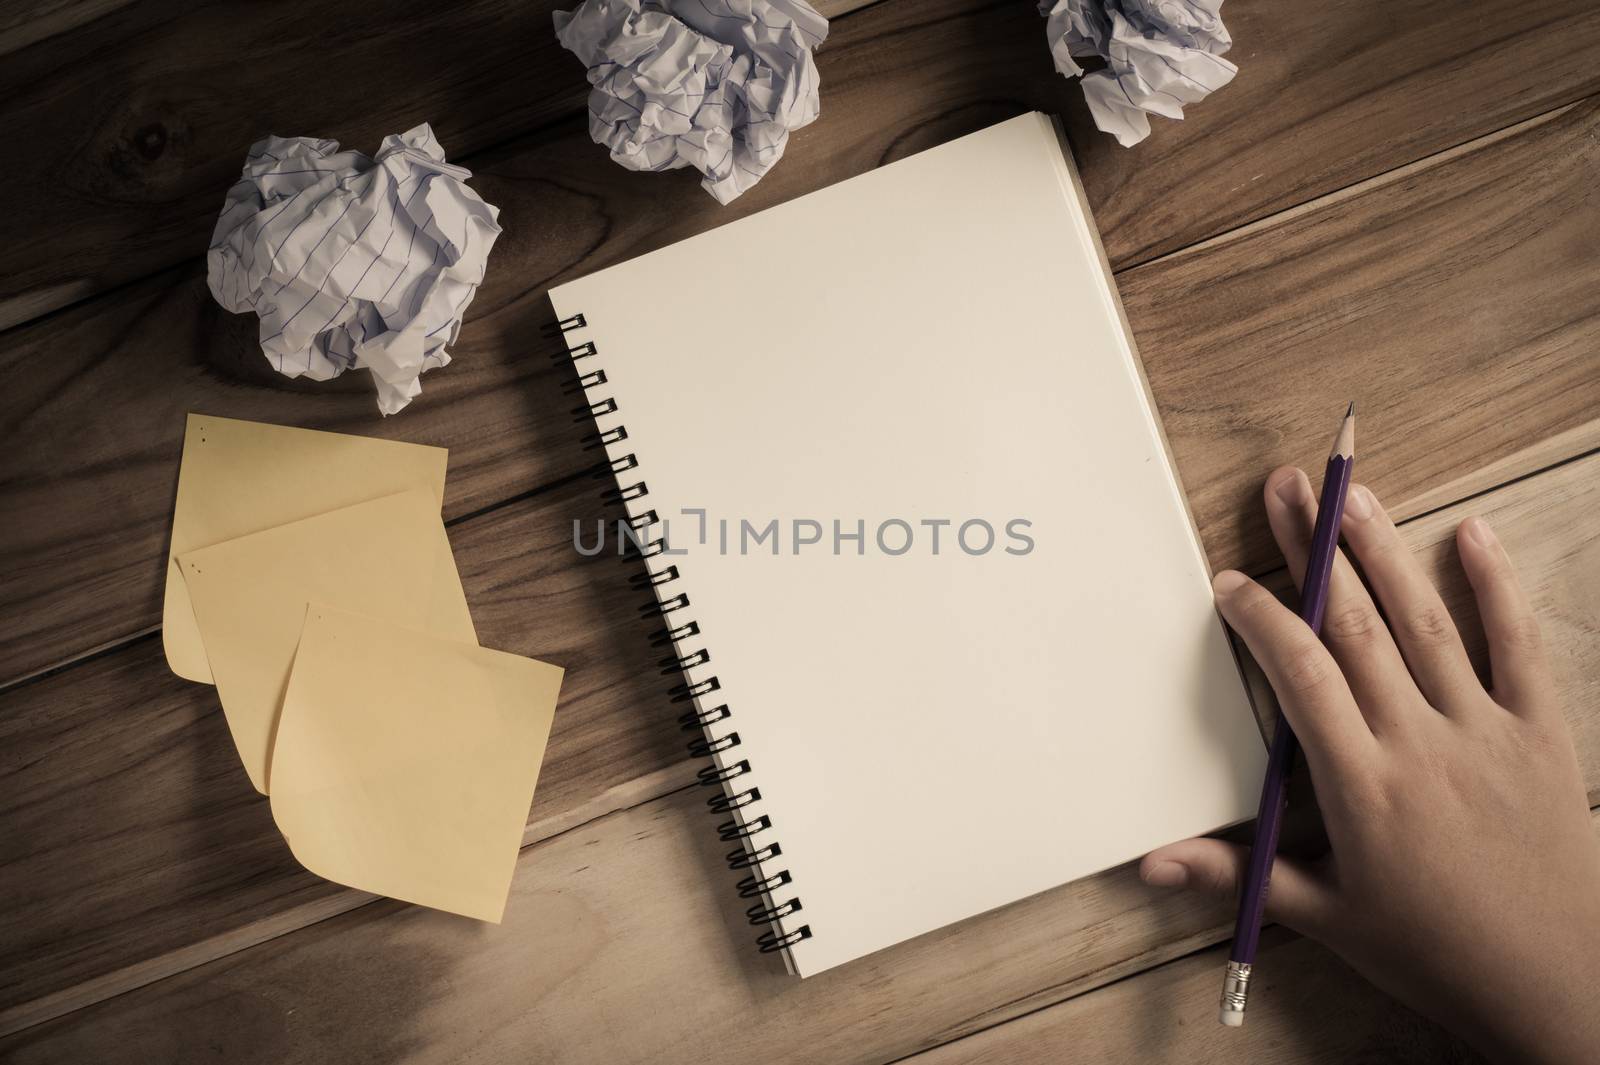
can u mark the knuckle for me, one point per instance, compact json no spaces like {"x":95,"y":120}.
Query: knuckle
{"x":1426,"y":626}
{"x":1371,"y":543}
{"x":1357,"y":624}
{"x":1305,"y":669}
{"x":1252,"y":599}
{"x":1523,"y":635}
{"x":1252,"y":612}
{"x":1217,"y":880}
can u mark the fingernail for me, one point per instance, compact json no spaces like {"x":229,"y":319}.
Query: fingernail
{"x":1293,"y":489}
{"x":1229,"y":580}
{"x":1478,"y":532}
{"x":1358,"y":502}
{"x":1166,"y":874}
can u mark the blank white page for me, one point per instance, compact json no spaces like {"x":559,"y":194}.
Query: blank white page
{"x":933,"y":735}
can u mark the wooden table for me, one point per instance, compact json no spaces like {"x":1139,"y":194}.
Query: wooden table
{"x":1399,"y":200}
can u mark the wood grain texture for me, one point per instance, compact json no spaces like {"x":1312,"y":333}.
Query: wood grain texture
{"x":137,"y":117}
{"x":100,"y":390}
{"x":25,"y":22}
{"x":1328,"y":94}
{"x":132,"y":836}
{"x":93,"y":415}
{"x":97,"y":394}
{"x":1307,"y":1007}
{"x":137,"y":121}
{"x":1458,"y":304}
{"x":124,"y":836}
{"x":624,"y":941}
{"x":629,"y":905}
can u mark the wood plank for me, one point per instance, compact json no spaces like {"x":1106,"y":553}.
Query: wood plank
{"x":1307,"y":1006}
{"x":1328,"y":95}
{"x":1303,"y":118}
{"x":623,"y":942}
{"x":134,"y":844}
{"x":1320,"y":1011}
{"x":93,"y":412}
{"x":1458,"y":304}
{"x":607,"y":912}
{"x":92,"y":481}
{"x":557,"y":216}
{"x":163,"y":99}
{"x":26,"y":22}
{"x":583,"y":970}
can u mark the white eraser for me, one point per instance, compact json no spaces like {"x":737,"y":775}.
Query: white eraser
{"x":1231,"y":1018}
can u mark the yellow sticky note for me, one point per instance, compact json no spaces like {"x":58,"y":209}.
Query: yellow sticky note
{"x":241,"y":477}
{"x":388,"y":557}
{"x":405,"y":763}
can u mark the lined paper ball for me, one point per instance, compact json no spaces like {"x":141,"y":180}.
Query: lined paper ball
{"x":353,"y":262}
{"x":716,"y":85}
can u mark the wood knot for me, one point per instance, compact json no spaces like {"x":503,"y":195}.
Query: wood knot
{"x":150,"y":141}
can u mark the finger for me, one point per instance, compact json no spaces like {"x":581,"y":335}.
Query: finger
{"x":1296,"y":896}
{"x":1417,"y":616}
{"x":1517,"y":661}
{"x":1315,"y":700}
{"x":1352,"y":628}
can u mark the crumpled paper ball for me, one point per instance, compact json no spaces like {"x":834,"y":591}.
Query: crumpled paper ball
{"x":712,"y":84}
{"x":350,"y":261}
{"x":1160,"y":55}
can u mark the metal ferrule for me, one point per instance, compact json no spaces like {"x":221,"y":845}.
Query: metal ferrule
{"x":1235,"y":991}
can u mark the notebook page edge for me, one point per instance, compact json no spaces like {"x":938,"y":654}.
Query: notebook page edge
{"x":1072,"y":185}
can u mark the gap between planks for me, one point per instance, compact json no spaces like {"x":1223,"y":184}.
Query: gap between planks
{"x":20,"y":36}
{"x":656,"y":785}
{"x":113,"y":646}
{"x":1207,"y":941}
{"x":1339,"y":195}
{"x":637,"y":792}
{"x":646,"y":788}
{"x":1552,"y":452}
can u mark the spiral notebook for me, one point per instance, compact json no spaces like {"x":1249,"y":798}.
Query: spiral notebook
{"x":917,"y":559}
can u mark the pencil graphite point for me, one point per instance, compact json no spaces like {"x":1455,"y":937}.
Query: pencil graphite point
{"x":1345,"y":443}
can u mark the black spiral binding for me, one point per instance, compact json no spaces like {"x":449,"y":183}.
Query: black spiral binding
{"x":665,"y":610}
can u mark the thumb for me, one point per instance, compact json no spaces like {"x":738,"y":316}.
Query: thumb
{"x":1297,"y":896}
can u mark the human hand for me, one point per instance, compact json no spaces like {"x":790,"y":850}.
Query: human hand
{"x":1463,"y":876}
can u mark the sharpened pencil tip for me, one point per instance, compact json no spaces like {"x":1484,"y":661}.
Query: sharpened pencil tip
{"x":1344,"y":445}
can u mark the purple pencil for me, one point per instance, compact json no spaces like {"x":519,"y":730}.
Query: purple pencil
{"x":1269,"y":817}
